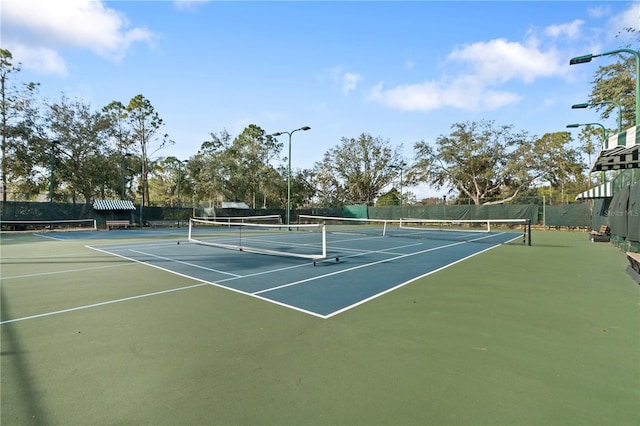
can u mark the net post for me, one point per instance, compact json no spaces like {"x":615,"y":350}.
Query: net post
{"x":324,"y":241}
{"x":528,"y":232}
{"x":190,"y":226}
{"x":95,"y":225}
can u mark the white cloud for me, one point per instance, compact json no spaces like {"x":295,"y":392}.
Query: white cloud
{"x":464,"y":93}
{"x":570,"y":30}
{"x":349,"y":82}
{"x":41,"y":59}
{"x":630,"y":18}
{"x":476,"y":70}
{"x":599,"y":11}
{"x":500,"y":60}
{"x":48,"y":26}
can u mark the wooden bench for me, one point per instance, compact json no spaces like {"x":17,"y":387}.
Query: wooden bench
{"x":117,"y":224}
{"x":634,"y":265}
{"x":602,"y":235}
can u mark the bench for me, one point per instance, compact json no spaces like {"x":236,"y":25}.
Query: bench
{"x":602,"y":235}
{"x":634,"y":265}
{"x":117,"y":224}
{"x":169,"y":223}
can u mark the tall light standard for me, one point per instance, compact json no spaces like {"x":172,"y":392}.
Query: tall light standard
{"x":304,"y":128}
{"x":617,"y":104}
{"x":587,"y":58}
{"x":605,"y":141}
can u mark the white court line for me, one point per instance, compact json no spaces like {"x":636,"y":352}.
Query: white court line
{"x":64,"y":272}
{"x":358,"y":253}
{"x":366,"y":265}
{"x":186,"y":263}
{"x":257,"y":294}
{"x":363,"y":301}
{"x":94,"y":305}
{"x":48,"y":236}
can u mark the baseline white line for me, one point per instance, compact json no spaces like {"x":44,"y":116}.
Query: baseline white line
{"x":94,"y":305}
{"x":186,"y":263}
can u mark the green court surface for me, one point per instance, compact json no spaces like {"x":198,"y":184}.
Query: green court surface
{"x":516,"y":335}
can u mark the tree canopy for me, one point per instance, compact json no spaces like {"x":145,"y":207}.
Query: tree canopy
{"x":485,"y":161}
{"x":115,"y":151}
{"x":356,"y":170}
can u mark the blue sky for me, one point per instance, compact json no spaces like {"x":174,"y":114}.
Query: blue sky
{"x":402,"y":71}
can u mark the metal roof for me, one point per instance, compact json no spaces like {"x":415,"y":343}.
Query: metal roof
{"x":624,"y":155}
{"x":234,"y":205}
{"x":113,"y":205}
{"x":601,"y":191}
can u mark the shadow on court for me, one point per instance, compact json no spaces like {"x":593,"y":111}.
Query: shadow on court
{"x":24,"y":392}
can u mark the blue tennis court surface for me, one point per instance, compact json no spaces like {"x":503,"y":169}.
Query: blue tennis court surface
{"x":358,"y":268}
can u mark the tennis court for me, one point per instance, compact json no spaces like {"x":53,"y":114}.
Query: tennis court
{"x":355,"y":267}
{"x":131,"y":327}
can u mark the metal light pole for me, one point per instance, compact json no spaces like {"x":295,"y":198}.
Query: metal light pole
{"x":605,"y":141}
{"x":304,"y":128}
{"x":587,"y":58}
{"x":617,"y":104}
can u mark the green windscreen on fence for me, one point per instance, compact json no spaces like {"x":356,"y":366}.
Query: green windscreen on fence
{"x":358,"y":211}
{"x":571,"y":215}
{"x":26,"y":210}
{"x":599,"y":213}
{"x":633,"y":213}
{"x":618,"y":211}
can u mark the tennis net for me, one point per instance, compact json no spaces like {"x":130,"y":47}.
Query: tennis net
{"x":273,"y":219}
{"x":349,"y":225}
{"x":304,"y":241}
{"x":490,"y":231}
{"x":49,"y":225}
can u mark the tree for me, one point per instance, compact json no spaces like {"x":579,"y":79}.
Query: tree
{"x":482,"y":160}
{"x":554,"y":159}
{"x":145,"y":123}
{"x":617,"y":83}
{"x":206,"y":168}
{"x":80,"y":150}
{"x":168,"y":182}
{"x":302,"y":187}
{"x":473,"y":159}
{"x":248,"y":162}
{"x":17,"y":123}
{"x":391,"y":198}
{"x":355,"y":171}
